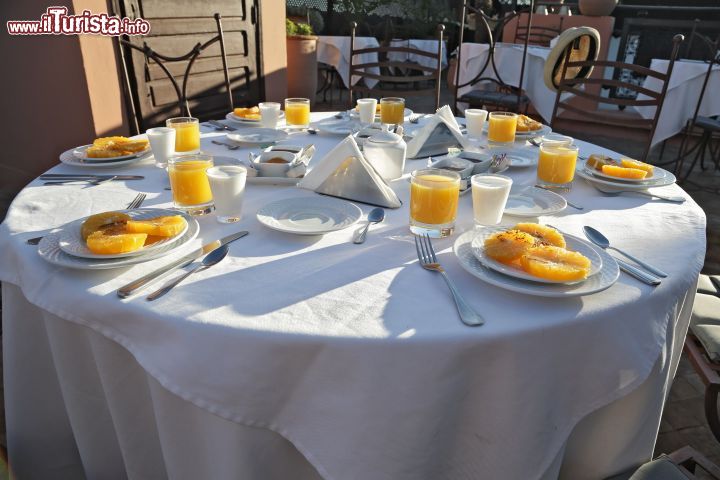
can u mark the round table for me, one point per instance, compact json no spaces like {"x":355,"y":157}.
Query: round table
{"x":312,"y":357}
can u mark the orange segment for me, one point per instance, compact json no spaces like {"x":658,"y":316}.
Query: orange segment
{"x":630,"y":163}
{"x":159,"y":226}
{"x":622,"y":172}
{"x":95,"y":222}
{"x":104,"y":243}
{"x":508,"y":246}
{"x":543,"y":235}
{"x":555,"y":263}
{"x":252,"y":113}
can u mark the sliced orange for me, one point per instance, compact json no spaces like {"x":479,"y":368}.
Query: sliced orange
{"x":95,"y":222}
{"x":251,"y":113}
{"x":630,"y":163}
{"x":622,"y":172}
{"x":158,"y":226}
{"x":544,"y":235}
{"x":104,"y":243}
{"x":508,"y":246}
{"x":555,"y":263}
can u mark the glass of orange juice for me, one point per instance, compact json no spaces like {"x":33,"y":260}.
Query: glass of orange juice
{"x":187,"y":134}
{"x":297,"y":112}
{"x":434,"y":197}
{"x":501,"y":128}
{"x":556,"y":165}
{"x":392,"y":110}
{"x":189,"y":183}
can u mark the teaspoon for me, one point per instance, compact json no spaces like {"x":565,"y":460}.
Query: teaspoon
{"x":376,"y":215}
{"x":210,"y":259}
{"x":601,"y":241}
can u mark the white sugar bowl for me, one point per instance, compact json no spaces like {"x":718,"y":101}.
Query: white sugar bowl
{"x":386,"y":153}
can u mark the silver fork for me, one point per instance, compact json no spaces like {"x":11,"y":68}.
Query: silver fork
{"x":428,"y":260}
{"x":137,"y":201}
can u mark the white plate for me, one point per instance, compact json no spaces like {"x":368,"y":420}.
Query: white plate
{"x":258,"y":136}
{"x":522,"y":158}
{"x":574,"y":244}
{"x":72,"y":243}
{"x":283,"y":181}
{"x":407,"y":113}
{"x":49,"y":250}
{"x":668,"y":179}
{"x":533,"y":202}
{"x":605,"y":278}
{"x":309,"y":215}
{"x":69,"y":158}
{"x":234,"y":118}
{"x":336,"y":126}
{"x":81,"y":153}
{"x":658,"y":176}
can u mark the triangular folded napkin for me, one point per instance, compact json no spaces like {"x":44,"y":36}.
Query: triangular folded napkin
{"x":437,"y":135}
{"x":345,"y":173}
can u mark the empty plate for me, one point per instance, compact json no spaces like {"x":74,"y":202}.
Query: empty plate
{"x":258,"y":135}
{"x":533,"y":202}
{"x":309,"y":215}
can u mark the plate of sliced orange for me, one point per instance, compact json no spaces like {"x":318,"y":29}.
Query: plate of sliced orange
{"x":598,"y":281}
{"x":627,"y":173}
{"x":123,"y":233}
{"x":248,"y":115}
{"x":538,"y":253}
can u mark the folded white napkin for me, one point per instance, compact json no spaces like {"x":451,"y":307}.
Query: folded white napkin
{"x":345,"y":173}
{"x":437,"y":135}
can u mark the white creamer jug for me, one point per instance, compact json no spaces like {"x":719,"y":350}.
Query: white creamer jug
{"x":386,"y":153}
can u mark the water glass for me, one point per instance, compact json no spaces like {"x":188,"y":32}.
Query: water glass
{"x":489,"y":194}
{"x":434,"y":197}
{"x":392,"y":110}
{"x":556,"y":165}
{"x":269,"y":114}
{"x":189,"y":183}
{"x":162,"y":144}
{"x":475,"y":120}
{"x":297,"y":112}
{"x":366,"y":110}
{"x":187,"y":134}
{"x":227,"y":183}
{"x":501,"y":128}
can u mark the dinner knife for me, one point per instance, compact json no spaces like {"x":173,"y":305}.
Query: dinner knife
{"x":132,"y":287}
{"x":641,"y":275}
{"x":62,"y":176}
{"x":222,"y":125}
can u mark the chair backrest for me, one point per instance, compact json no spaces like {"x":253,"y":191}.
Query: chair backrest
{"x":411,"y":83}
{"x":493,"y":35}
{"x":573,"y":85}
{"x":537,"y":35}
{"x":711,"y":55}
{"x":188,"y":60}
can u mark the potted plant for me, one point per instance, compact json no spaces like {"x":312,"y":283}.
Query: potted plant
{"x":597,"y":8}
{"x":301,"y":60}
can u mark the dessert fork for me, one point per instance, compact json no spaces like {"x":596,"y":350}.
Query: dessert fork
{"x":428,"y":260}
{"x":137,"y":201}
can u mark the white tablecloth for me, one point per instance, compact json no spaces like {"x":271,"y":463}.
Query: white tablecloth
{"x":429,"y":46}
{"x":508,"y":59}
{"x":312,"y":350}
{"x":682,"y":96}
{"x":335,"y":51}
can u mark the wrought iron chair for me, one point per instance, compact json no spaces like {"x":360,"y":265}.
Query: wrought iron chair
{"x":190,"y":57}
{"x":505,"y":96}
{"x":537,"y":35}
{"x":412,"y":83}
{"x":573,"y":85}
{"x":708,"y":126}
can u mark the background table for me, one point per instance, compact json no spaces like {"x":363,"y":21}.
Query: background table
{"x":508,"y":59}
{"x":307,"y":357}
{"x":430,"y":46}
{"x":335,"y":51}
{"x":682,"y":96}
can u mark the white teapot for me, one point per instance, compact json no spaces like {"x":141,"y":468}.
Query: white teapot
{"x":386,"y":153}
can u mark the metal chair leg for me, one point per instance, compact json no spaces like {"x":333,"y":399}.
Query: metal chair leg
{"x":711,"y":409}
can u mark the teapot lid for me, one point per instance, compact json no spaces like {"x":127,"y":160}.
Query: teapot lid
{"x":385,"y":137}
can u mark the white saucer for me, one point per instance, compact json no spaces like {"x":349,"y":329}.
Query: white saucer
{"x":588,"y":175}
{"x":336,"y":126}
{"x":604,"y":279}
{"x":533,"y":202}
{"x":574,"y":244}
{"x":258,"y":136}
{"x":522,"y":158}
{"x":309,"y":215}
{"x":659,"y":175}
{"x":248,"y":121}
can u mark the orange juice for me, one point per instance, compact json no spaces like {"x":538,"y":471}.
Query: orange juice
{"x":434,"y":197}
{"x":556,"y":165}
{"x":189,"y":182}
{"x":187,"y":133}
{"x":502,"y":127}
{"x":297,"y":111}
{"x":392,"y":110}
